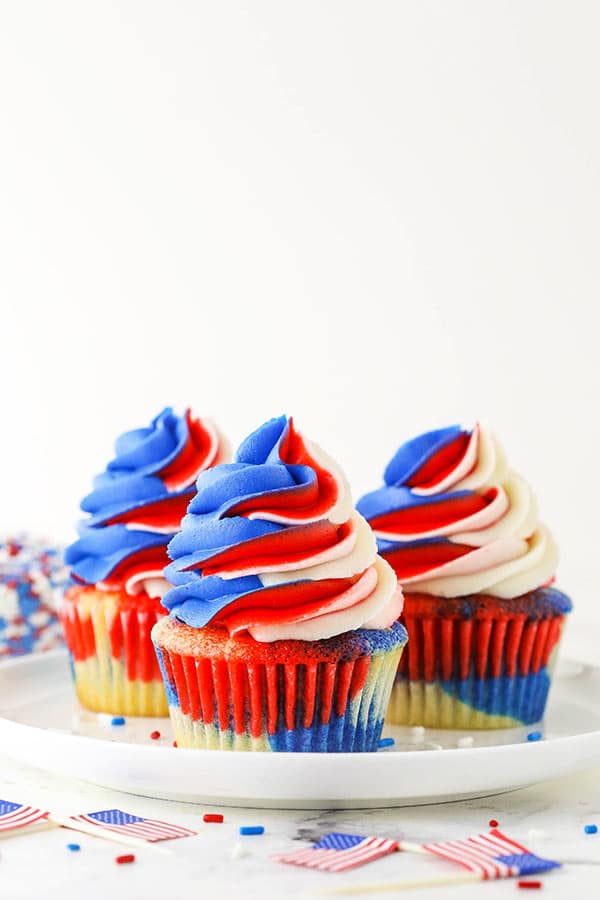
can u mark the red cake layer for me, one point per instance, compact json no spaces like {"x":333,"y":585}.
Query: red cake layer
{"x":129,"y":631}
{"x":221,"y":692}
{"x":216,"y":676}
{"x":480,"y":635}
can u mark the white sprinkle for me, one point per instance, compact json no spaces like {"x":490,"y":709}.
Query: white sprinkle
{"x":465,"y":741}
{"x":417,"y":734}
{"x":240,"y":850}
{"x":104,"y":718}
{"x":536,"y":833}
{"x":431,"y":745}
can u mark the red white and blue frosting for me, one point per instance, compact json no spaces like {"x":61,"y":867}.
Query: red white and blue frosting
{"x":138,"y":502}
{"x":272,"y":545}
{"x":453,"y":519}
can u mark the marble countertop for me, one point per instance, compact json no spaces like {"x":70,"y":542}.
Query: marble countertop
{"x":548,"y":818}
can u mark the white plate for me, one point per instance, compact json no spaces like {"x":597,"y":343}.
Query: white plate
{"x":43,"y":725}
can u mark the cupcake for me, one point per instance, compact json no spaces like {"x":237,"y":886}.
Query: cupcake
{"x":462,"y":532}
{"x":32,"y":578}
{"x":282,"y":633}
{"x":117,"y":563}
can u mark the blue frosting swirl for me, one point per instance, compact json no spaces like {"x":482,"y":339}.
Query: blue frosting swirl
{"x":212,"y":526}
{"x":133,"y":488}
{"x":396,"y":495}
{"x":411,"y":455}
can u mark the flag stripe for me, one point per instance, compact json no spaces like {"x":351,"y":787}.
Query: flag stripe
{"x":24,"y":815}
{"x":349,"y":858}
{"x":376,"y":850}
{"x":299,"y":856}
{"x":497,"y":835}
{"x":470,"y":848}
{"x":507,"y":848}
{"x":456,"y":851}
{"x":19,"y":813}
{"x":492,"y":845}
{"x":449,"y":853}
{"x":484,"y":854}
{"x":330,"y":860}
{"x":146,"y":829}
{"x":495,"y":849}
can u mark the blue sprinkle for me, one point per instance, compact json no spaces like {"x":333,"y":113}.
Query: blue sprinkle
{"x":73,"y":847}
{"x":590,"y":829}
{"x":117,"y":720}
{"x":534,"y":736}
{"x":252,"y":829}
{"x":386,"y":742}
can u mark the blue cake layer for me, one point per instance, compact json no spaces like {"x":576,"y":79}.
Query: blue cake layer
{"x":521,"y":698}
{"x":340,"y":735}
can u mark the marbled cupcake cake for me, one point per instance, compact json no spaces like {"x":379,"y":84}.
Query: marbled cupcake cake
{"x":282,"y":632}
{"x":476,"y":565}
{"x":117,"y":564}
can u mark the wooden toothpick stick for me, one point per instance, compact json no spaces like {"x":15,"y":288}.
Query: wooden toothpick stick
{"x":42,"y":825}
{"x":388,"y":886}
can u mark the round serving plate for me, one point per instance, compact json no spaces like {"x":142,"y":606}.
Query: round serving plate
{"x":42,"y":724}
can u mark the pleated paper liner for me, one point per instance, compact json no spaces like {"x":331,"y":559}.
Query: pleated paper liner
{"x":114,"y":665}
{"x":477,"y":662}
{"x":238,"y":694}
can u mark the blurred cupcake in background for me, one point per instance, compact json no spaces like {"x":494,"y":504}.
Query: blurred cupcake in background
{"x":33,"y":577}
{"x":283,"y":631}
{"x":462,"y":532}
{"x":117,"y":563}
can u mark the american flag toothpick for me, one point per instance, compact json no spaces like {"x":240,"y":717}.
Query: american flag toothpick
{"x":123,"y":828}
{"x":17,"y":818}
{"x":339,"y":852}
{"x":485,"y":856}
{"x":492,"y":855}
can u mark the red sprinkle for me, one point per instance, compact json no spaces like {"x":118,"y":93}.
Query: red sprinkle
{"x":126,"y":858}
{"x":174,"y":743}
{"x":529,"y":884}
{"x":493,"y":823}
{"x":212,"y":817}
{"x":155,"y":735}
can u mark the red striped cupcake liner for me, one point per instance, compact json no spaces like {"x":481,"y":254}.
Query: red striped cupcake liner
{"x":240,"y":694}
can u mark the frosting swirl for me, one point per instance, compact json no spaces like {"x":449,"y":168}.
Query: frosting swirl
{"x":453,"y":519}
{"x":138,"y":502}
{"x":272,"y":545}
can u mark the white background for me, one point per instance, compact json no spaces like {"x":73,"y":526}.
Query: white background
{"x":379,"y":217}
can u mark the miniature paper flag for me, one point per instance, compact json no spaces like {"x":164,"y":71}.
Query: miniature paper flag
{"x":339,"y":852}
{"x":492,"y":855}
{"x":135,"y":826}
{"x":16,"y":815}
